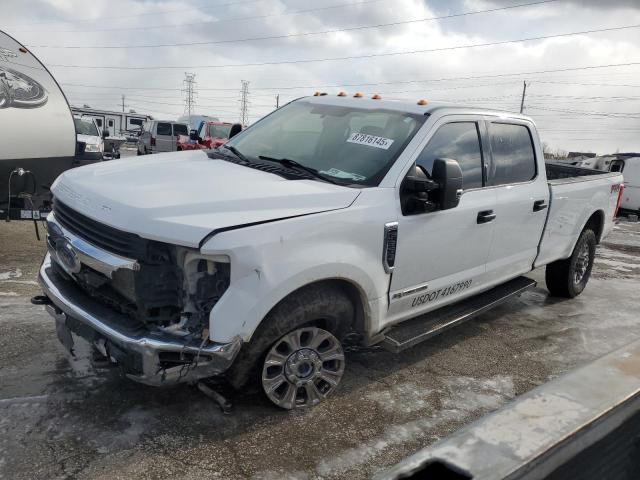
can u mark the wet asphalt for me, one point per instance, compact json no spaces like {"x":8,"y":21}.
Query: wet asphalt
{"x":64,"y":418}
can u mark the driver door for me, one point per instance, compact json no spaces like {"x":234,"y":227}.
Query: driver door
{"x":441,"y":255}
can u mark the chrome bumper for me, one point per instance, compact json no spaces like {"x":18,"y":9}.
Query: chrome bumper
{"x":144,"y":353}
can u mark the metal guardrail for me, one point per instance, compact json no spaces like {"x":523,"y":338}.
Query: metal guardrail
{"x":583,"y":425}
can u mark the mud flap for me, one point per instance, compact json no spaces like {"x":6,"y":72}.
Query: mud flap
{"x":64,"y":335}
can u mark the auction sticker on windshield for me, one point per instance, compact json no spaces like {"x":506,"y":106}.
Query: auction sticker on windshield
{"x":370,"y":140}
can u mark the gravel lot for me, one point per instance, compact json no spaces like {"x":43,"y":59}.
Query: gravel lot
{"x":61,"y":418}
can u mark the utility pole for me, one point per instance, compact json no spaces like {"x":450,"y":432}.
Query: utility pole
{"x":524,"y":92}
{"x":244,"y":103}
{"x":123,"y":103}
{"x":277,"y":101}
{"x":190,"y":93}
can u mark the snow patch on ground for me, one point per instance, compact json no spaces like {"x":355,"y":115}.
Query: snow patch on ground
{"x":465,"y":396}
{"x":405,"y":397}
{"x":8,"y":294}
{"x":16,"y":273}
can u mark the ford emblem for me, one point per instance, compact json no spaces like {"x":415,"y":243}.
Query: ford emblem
{"x":67,"y":256}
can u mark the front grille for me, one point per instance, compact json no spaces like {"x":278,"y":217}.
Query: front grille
{"x":110,"y":239}
{"x":153,"y":294}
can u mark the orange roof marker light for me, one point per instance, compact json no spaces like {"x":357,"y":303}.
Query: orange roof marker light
{"x":376,"y":97}
{"x":422,"y":102}
{"x":342,"y":94}
{"x":317,"y":94}
{"x":357,"y":95}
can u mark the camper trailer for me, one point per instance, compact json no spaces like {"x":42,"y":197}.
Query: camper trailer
{"x":116,"y":123}
{"x":29,"y":95}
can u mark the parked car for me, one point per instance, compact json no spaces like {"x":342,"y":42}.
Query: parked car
{"x":214,"y":134}
{"x":194,"y":121}
{"x":90,"y":143}
{"x":332,"y":221}
{"x":160,"y":136}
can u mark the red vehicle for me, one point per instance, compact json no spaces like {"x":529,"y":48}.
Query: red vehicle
{"x":210,"y":135}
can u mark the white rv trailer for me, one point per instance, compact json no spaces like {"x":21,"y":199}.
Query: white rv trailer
{"x":114,"y":122}
{"x":30,"y":100}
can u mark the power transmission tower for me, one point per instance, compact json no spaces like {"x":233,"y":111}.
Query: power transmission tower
{"x":190,"y":93}
{"x":524,"y":92}
{"x":244,"y":103}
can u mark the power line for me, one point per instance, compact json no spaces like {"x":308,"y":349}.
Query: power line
{"x":397,"y":82}
{"x":120,"y":17}
{"x":292,"y":35}
{"x":581,"y":112}
{"x":208,"y":22}
{"x":350,"y":57}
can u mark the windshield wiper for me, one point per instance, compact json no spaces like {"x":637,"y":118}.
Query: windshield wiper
{"x":236,"y":152}
{"x":293,"y":165}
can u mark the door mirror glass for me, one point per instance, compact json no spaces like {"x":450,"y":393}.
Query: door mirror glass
{"x":448,"y":175}
{"x":193,"y":135}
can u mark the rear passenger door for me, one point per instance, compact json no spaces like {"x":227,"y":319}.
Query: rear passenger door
{"x":165,"y":141}
{"x":522,"y":197}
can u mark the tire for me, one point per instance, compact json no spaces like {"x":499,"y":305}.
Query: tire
{"x":567,"y":278}
{"x":324,"y":307}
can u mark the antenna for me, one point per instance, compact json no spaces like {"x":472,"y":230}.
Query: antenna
{"x":244,"y":103}
{"x":190,"y":93}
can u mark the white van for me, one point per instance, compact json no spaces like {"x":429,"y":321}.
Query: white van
{"x":160,"y":136}
{"x":631,"y":195}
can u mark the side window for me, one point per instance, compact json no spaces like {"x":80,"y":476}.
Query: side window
{"x":514,"y":160}
{"x":164,"y":129}
{"x":111,"y":123}
{"x":459,"y":141}
{"x":99,"y":122}
{"x":180,"y":129}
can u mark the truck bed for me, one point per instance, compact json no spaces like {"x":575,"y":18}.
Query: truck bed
{"x":575,"y":195}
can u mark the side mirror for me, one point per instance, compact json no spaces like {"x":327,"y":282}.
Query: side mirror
{"x":193,"y":135}
{"x":105,"y":133}
{"x":448,"y":174}
{"x":236,"y":128}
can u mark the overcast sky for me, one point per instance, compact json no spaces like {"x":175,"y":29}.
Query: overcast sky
{"x":588,"y":110}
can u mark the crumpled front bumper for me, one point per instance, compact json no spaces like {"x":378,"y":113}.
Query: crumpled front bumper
{"x":150,"y":357}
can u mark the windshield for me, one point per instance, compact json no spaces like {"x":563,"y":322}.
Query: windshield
{"x":350,"y":145}
{"x":85,"y":127}
{"x":219,"y":131}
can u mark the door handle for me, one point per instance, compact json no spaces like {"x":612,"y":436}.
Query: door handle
{"x":486,"y":216}
{"x":539,"y":205}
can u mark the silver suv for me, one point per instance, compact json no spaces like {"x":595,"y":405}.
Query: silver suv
{"x":160,"y":136}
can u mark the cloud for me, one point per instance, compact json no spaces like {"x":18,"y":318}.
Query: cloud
{"x":131,"y":22}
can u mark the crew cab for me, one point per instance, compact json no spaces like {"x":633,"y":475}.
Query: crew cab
{"x":332,"y":221}
{"x":209,"y":135}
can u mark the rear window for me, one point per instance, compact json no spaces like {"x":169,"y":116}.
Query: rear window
{"x":164,"y":129}
{"x":514,"y":160}
{"x":180,"y":129}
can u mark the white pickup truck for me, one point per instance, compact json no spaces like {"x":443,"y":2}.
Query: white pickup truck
{"x":332,"y":221}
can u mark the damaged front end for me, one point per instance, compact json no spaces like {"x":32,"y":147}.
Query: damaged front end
{"x":143,"y":304}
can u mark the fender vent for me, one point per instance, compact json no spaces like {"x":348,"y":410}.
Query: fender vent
{"x":389,"y":248}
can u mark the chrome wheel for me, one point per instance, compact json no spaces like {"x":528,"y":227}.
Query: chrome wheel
{"x":582,"y":263}
{"x":302,"y":368}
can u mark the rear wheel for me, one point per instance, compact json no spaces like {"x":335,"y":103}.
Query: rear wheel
{"x":302,"y":368}
{"x":568,"y":278}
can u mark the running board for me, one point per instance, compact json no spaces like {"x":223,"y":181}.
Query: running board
{"x":411,"y":332}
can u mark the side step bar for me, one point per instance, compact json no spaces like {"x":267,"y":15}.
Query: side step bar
{"x":416,"y":330}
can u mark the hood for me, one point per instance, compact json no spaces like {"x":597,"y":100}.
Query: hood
{"x":90,"y":139}
{"x":181,"y":197}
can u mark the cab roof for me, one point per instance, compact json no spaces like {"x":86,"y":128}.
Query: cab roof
{"x":429,"y":108}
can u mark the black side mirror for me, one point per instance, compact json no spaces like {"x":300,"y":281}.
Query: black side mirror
{"x":193,"y":135}
{"x":236,"y":128}
{"x":448,"y":174}
{"x":105,"y":133}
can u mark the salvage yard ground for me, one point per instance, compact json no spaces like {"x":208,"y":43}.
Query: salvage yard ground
{"x":61,"y":418}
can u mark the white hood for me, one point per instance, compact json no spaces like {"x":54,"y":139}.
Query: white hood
{"x":89,"y":139}
{"x":181,"y":197}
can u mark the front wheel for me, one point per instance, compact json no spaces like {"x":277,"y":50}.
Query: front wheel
{"x":302,"y":368}
{"x":568,"y":278}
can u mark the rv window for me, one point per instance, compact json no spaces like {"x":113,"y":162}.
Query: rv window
{"x":111,"y":123}
{"x":99,"y":122}
{"x":135,"y":121}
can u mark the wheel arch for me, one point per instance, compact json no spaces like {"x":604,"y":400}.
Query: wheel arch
{"x":596,"y":223}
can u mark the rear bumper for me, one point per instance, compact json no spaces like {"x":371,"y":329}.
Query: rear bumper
{"x":150,"y":357}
